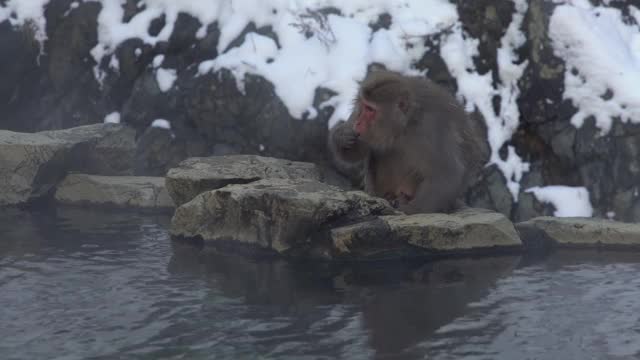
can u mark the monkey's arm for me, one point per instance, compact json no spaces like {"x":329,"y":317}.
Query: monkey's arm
{"x":345,"y":144}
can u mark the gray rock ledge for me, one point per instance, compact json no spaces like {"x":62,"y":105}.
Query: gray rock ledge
{"x":31,"y":165}
{"x":310,"y":219}
{"x":547,"y":232}
{"x":139,"y":192}
{"x":194,"y":176}
{"x":278,"y":215}
{"x":466,"y":231}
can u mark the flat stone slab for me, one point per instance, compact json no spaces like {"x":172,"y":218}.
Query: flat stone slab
{"x":278,"y":215}
{"x":310,"y":219}
{"x":470,"y":230}
{"x":545,"y":232}
{"x":31,"y":165}
{"x":140,"y":192}
{"x":194,"y":176}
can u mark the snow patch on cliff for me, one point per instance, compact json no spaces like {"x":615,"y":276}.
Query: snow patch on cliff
{"x":602,"y":55}
{"x":166,"y":78}
{"x":29,"y":13}
{"x":568,"y":201}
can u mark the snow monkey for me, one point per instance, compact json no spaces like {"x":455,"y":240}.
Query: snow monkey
{"x":420,"y":149}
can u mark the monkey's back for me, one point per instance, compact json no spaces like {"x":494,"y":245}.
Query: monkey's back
{"x":444,"y":139}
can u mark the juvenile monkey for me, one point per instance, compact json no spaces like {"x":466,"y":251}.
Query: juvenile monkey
{"x":419,"y":148}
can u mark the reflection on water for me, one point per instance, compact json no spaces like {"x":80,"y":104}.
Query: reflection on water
{"x":81,"y":284}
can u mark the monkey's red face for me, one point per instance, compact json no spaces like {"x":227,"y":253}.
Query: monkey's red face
{"x":366,"y":116}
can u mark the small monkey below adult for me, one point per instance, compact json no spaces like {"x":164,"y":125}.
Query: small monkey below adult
{"x":419,"y":148}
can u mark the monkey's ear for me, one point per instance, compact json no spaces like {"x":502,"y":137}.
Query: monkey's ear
{"x":404,"y":102}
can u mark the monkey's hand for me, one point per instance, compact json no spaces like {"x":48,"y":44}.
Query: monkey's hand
{"x":344,"y":137}
{"x":392,"y":199}
{"x":345,"y":144}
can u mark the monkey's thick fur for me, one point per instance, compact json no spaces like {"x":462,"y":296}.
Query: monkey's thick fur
{"x":418,"y":147}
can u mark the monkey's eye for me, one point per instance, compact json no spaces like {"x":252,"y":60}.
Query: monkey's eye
{"x":368,"y":109}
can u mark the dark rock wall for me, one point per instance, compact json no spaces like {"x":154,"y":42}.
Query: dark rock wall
{"x":56,"y":88}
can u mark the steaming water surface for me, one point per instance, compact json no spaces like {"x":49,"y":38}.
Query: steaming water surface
{"x":81,"y":284}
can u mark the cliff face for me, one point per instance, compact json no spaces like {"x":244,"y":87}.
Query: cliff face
{"x":59,"y":83}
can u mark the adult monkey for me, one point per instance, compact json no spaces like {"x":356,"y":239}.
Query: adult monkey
{"x":420,"y":149}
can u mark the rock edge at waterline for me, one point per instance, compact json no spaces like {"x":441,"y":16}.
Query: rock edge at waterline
{"x":138,"y":192}
{"x":310,"y":219}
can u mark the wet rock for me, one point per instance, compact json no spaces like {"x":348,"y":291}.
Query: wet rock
{"x":32,"y":164}
{"x":197,"y":175}
{"x":547,"y":232}
{"x":303,"y":219}
{"x":283,"y":216}
{"x":116,"y":191}
{"x":470,"y":229}
{"x":466,"y":231}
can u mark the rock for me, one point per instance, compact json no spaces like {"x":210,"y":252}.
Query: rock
{"x":372,"y":239}
{"x":309,"y":219}
{"x":546,"y":232}
{"x":255,"y":121}
{"x":119,"y":191}
{"x":18,"y":64}
{"x":59,"y":90}
{"x":158,"y":150}
{"x":281,"y":216}
{"x":32,"y":164}
{"x":469,"y":230}
{"x":491,"y":192}
{"x":197,"y":175}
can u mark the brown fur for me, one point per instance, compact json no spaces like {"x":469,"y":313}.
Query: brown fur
{"x":420,"y":152}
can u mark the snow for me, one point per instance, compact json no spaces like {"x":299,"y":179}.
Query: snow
{"x":161,"y":123}
{"x":478,"y":91}
{"x":602,"y":55}
{"x":157,"y":60}
{"x":336,"y":54}
{"x":166,"y":78}
{"x":26,"y":13}
{"x":112,"y":118}
{"x":568,"y":201}
{"x":114,"y":63}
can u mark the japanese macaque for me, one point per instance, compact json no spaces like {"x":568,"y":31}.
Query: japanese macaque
{"x":420,"y":150}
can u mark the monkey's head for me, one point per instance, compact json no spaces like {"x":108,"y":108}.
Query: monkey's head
{"x":382,"y":109}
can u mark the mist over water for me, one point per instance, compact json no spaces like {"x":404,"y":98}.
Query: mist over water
{"x":79,"y":284}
